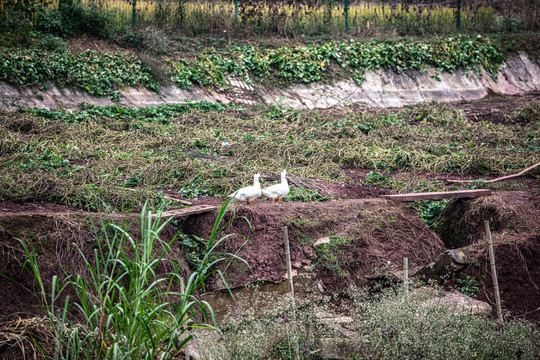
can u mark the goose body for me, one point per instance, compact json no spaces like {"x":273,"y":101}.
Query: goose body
{"x":248,"y":193}
{"x":278,"y":191}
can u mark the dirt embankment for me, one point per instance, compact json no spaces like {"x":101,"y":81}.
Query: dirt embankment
{"x":360,"y":237}
{"x":55,"y":240}
{"x":381,"y":89}
{"x":365,"y":236}
{"x":513,"y":217}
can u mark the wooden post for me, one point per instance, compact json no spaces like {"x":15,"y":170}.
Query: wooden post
{"x":406,"y":275}
{"x":458,"y":20}
{"x":291,"y":286}
{"x":288,"y":259}
{"x":347,"y":16}
{"x":186,"y":334}
{"x":494,"y":273}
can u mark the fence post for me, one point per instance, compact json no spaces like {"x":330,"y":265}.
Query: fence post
{"x":133,"y":14}
{"x":235,"y":11}
{"x":346,"y":15}
{"x":458,"y":20}
{"x":406,"y":275}
{"x":494,"y":272}
{"x":285,"y":232}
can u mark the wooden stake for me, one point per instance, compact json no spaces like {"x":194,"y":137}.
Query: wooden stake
{"x":494,"y":273}
{"x":288,"y":259}
{"x":291,"y":285}
{"x":406,"y":275}
{"x":186,"y":334}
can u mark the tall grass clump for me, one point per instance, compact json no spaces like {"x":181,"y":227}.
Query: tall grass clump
{"x":272,"y":326}
{"x":381,"y":325}
{"x":420,"y":325}
{"x":129,"y":304}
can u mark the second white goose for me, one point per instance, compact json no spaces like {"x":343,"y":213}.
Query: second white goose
{"x":278,"y":191}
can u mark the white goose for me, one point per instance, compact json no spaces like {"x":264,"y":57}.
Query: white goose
{"x":248,"y":193}
{"x":278,"y":191}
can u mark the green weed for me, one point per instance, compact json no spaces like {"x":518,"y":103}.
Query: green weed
{"x":306,"y":64}
{"x":468,"y":286}
{"x":128,"y":308}
{"x":298,"y":194}
{"x":328,"y":258}
{"x":99,"y":74}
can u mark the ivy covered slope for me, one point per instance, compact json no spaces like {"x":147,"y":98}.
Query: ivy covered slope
{"x":308,"y":63}
{"x":99,"y":74}
{"x":103,"y":74}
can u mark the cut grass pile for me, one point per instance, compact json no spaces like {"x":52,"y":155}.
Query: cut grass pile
{"x":85,"y":159}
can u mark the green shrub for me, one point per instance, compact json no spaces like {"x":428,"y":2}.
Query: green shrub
{"x":74,"y":19}
{"x":99,"y":74}
{"x":125,"y":307}
{"x":307,"y":64}
{"x":52,"y":43}
{"x":419,"y":326}
{"x":15,"y":24}
{"x":430,"y":210}
{"x":375,"y":178}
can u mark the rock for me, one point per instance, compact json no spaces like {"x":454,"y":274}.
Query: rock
{"x":385,"y":88}
{"x":308,"y":268}
{"x":328,"y":318}
{"x":337,"y":348}
{"x":319,"y":242}
{"x":310,"y":252}
{"x":462,"y":304}
{"x":444,"y":266}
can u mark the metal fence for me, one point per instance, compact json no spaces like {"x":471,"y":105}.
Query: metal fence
{"x":319,"y":16}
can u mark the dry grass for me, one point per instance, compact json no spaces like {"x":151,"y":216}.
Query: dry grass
{"x":304,"y":17}
{"x":26,"y":338}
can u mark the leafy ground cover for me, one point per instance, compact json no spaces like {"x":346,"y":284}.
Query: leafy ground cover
{"x":99,"y":74}
{"x":84,"y":159}
{"x":103,"y":74}
{"x":307,"y":64}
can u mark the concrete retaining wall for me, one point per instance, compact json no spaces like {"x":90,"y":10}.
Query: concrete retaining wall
{"x":382,"y":89}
